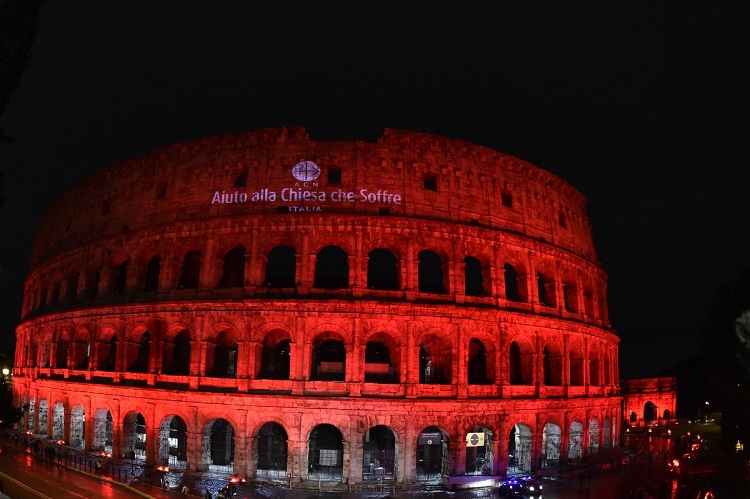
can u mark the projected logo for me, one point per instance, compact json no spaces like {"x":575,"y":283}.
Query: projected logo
{"x":306,"y":171}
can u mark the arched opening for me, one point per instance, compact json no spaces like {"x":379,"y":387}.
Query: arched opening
{"x":667,"y":414}
{"x":435,"y":361}
{"x":382,"y":270}
{"x":473,"y":277}
{"x":593,"y":436}
{"x":378,"y":453}
{"x":77,"y":427}
{"x":576,"y":366}
{"x":551,"y":437}
{"x":153,"y":268}
{"x":281,"y":267}
{"x":649,"y":412}
{"x":430,"y":271}
{"x":121,"y":278}
{"x":519,"y":449}
{"x":329,"y":360}
{"x":108,"y":352}
{"x":134,"y":438}
{"x":520,"y":364}
{"x":276,"y":356}
{"x":30,"y":416}
{"x":58,"y":421}
{"x":588,"y":300}
{"x":607,"y":434}
{"x":272,"y":451}
{"x":331,"y":269}
{"x":546,"y":289}
{"x":477,"y":363}
{"x":173,"y":442}
{"x":191,"y":270}
{"x":43,"y":417}
{"x":233,"y":270}
{"x":552,"y":364}
{"x":218,"y":446}
{"x":575,"y":447}
{"x":176,"y":354}
{"x":432,"y":455}
{"x":81,"y":350}
{"x":61,"y":355}
{"x":103,"y":431}
{"x":515,"y":283}
{"x":379,"y":367}
{"x":479,"y":458}
{"x":570,"y":294}
{"x":325,"y":454}
{"x":141,"y":362}
{"x":224,"y":356}
{"x":594,"y":368}
{"x":633,"y":417}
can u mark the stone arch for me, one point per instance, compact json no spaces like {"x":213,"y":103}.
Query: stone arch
{"x":121,"y":267}
{"x":176,"y":350}
{"x":382,"y":362}
{"x":77,"y":427}
{"x":479,"y":363}
{"x":382,"y":270}
{"x":138,"y":349}
{"x":325,"y":452}
{"x":515,"y":276}
{"x":649,"y":412}
{"x":218,"y":446}
{"x":153,"y":271}
{"x":62,"y":349}
{"x":479,"y":456}
{"x":521,"y":362}
{"x":594,"y":366}
{"x":103,"y":431}
{"x":551,"y":438}
{"x":546,"y":286}
{"x":81,"y":349}
{"x":46,"y":349}
{"x":43,"y":417}
{"x":222,"y":351}
{"x":475,"y":277}
{"x":134,"y":436}
{"x":379,"y":451}
{"x":173,"y":442}
{"x":275,"y":362}
{"x":281,"y":267}
{"x":432,"y":276}
{"x":433,"y":455}
{"x":435,"y":359}
{"x":607,"y":433}
{"x":570,"y":292}
{"x":190,"y":270}
{"x":576,"y":365}
{"x":58,"y":421}
{"x":107,"y":345}
{"x":328,"y":361}
{"x":575,"y":440}
{"x":272,"y":451}
{"x":233,"y":268}
{"x":519,"y":448}
{"x":593,"y":436}
{"x":331,"y":268}
{"x":552,"y":364}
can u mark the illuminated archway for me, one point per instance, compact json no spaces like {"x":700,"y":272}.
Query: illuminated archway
{"x":325,"y":452}
{"x":218,"y":446}
{"x":378,"y":453}
{"x":102,"y":430}
{"x":519,"y":449}
{"x":432,"y":455}
{"x":173,"y":442}
{"x":272,"y":451}
{"x":551,"y":436}
{"x":479,"y":458}
{"x":575,"y":446}
{"x":77,"y":427}
{"x":134,"y":437}
{"x":58,"y":421}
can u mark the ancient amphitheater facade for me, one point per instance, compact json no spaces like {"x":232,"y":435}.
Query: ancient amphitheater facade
{"x":274,"y":307}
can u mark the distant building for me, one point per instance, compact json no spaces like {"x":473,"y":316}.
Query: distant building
{"x":649,"y":401}
{"x":265,"y":305}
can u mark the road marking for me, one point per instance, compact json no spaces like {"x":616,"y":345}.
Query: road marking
{"x":23,"y":486}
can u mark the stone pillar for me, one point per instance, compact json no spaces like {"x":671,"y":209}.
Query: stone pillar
{"x":501,"y":456}
{"x":206,"y":279}
{"x":152,"y":435}
{"x":461,"y":379}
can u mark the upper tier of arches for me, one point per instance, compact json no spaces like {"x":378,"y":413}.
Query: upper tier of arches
{"x":434,"y":262}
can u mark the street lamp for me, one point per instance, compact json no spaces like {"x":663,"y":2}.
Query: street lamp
{"x":707,"y":404}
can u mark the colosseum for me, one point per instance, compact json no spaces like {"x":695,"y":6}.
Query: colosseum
{"x":414,"y":310}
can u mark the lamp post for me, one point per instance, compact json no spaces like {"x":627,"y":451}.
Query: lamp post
{"x":707,"y":404}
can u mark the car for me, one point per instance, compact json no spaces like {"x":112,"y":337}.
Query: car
{"x":524,"y":486}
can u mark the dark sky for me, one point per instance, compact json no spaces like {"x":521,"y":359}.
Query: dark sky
{"x":644,"y":107}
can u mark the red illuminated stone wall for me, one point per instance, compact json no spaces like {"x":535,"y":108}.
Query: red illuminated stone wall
{"x":412,"y":309}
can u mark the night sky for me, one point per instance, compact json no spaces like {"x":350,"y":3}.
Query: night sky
{"x":644,"y":107}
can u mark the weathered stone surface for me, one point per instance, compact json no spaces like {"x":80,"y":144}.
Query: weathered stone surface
{"x":416,"y":286}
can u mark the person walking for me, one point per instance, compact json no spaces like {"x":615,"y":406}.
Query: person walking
{"x":185,"y":490}
{"x":208,"y":495}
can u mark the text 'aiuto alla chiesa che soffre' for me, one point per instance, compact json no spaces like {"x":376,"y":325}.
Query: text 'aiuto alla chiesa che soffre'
{"x":273,"y":307}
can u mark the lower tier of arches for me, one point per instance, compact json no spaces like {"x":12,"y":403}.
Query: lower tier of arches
{"x":281,"y":437}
